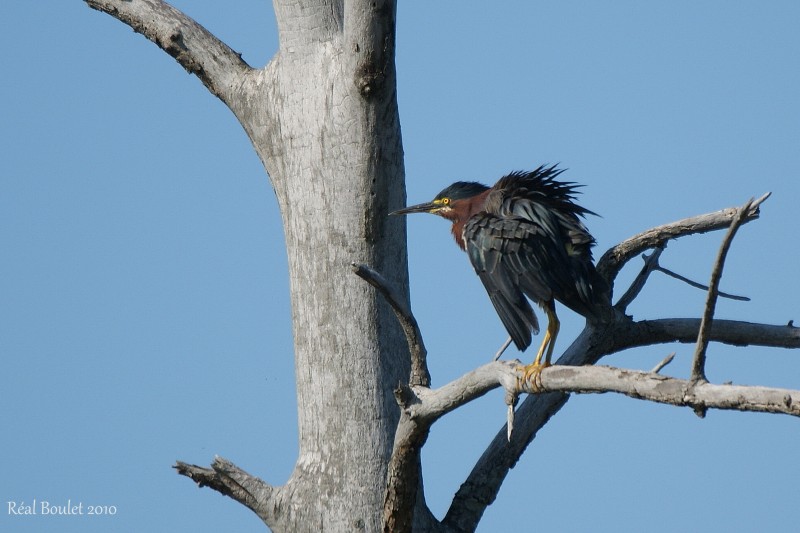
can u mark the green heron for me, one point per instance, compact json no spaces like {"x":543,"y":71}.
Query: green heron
{"x":524,"y":237}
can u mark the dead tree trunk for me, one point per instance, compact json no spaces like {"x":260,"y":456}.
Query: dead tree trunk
{"x":322,"y":117}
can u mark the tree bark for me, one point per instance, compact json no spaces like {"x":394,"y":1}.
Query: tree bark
{"x":331,"y":144}
{"x":323,"y":118}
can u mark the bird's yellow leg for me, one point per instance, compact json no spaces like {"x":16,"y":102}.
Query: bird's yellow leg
{"x":542,"y":347}
{"x":531,"y":372}
{"x":553,"y":327}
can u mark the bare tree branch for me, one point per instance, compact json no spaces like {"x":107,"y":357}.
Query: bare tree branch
{"x":419,"y":365}
{"x":662,"y":389}
{"x":404,"y":473}
{"x":664,"y":362}
{"x":696,"y":285}
{"x":732,"y":332}
{"x":429,"y":405}
{"x":699,"y":359}
{"x":650,"y":264}
{"x":421,"y":407}
{"x":615,"y":258}
{"x":230,"y":480}
{"x":480,"y":488}
{"x":194,"y":47}
{"x":435,"y":403}
{"x":432,"y":404}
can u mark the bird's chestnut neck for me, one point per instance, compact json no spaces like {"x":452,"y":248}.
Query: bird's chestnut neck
{"x":461,"y":211}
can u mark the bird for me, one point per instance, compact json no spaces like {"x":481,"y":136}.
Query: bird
{"x":526,"y":240}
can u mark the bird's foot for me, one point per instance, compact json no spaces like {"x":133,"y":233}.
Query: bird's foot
{"x":532,"y":376}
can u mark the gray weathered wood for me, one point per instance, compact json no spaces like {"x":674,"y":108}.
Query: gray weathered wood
{"x":322,"y":117}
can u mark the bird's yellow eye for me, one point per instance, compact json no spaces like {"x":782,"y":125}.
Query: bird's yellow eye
{"x":445,"y":201}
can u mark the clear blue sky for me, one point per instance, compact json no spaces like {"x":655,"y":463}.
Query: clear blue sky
{"x":144,"y":310}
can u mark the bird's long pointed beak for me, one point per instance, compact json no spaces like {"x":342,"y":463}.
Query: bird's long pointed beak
{"x":427,"y":207}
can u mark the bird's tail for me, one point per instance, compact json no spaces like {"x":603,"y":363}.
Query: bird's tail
{"x":600,"y":307}
{"x":593,"y":298}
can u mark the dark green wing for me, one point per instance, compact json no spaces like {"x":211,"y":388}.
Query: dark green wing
{"x":525,"y":249}
{"x":501,"y":251}
{"x":563,"y":247}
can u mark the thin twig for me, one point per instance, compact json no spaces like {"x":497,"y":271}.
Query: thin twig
{"x":502,"y":349}
{"x":510,"y":421}
{"x":664,"y":362}
{"x":419,"y":366}
{"x":697,"y":285}
{"x":699,"y":360}
{"x":650,"y":264}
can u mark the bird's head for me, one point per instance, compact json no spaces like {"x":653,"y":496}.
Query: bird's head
{"x":446,"y":202}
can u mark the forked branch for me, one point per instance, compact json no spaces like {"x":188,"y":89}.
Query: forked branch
{"x":651,"y":264}
{"x":615,"y":258}
{"x":230,"y":480}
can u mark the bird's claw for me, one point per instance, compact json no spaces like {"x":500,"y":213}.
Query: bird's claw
{"x":532,"y":376}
